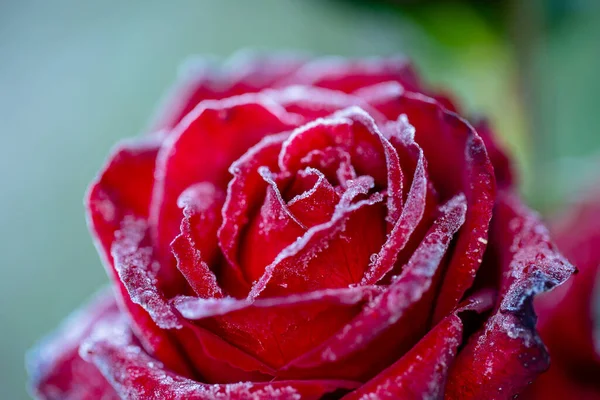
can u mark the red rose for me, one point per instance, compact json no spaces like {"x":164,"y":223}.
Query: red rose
{"x":569,"y":321}
{"x":295,"y":229}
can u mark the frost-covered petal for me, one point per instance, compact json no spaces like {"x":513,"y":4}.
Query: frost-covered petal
{"x":137,"y":268}
{"x":457,"y":163}
{"x":279,"y":223}
{"x":394,"y":320}
{"x":573,"y":337}
{"x":313,"y":102}
{"x":123,"y":188}
{"x":577,"y":235}
{"x":134,"y":274}
{"x":277,"y":330}
{"x":334,"y":163}
{"x":531,"y":263}
{"x":312,"y":262}
{"x":195,"y":248}
{"x":55,"y":368}
{"x":201,"y":149}
{"x":316,"y":199}
{"x":135,"y":375}
{"x":272,"y":229}
{"x":421,"y":373}
{"x":349,"y":75}
{"x":412,"y":214}
{"x":212,"y":357}
{"x":507,"y":354}
{"x":412,"y":158}
{"x":356,"y":133}
{"x":500,"y":160}
{"x":245,"y":193}
{"x":200,"y":80}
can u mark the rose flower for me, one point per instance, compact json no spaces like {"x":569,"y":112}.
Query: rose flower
{"x":295,"y":229}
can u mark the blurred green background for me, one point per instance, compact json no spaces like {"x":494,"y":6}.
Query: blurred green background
{"x":77,"y":76}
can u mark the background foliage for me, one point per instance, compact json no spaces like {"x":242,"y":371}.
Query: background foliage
{"x":77,"y":76}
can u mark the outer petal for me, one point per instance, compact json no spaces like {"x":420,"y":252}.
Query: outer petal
{"x":505,"y":175}
{"x":136,"y":375}
{"x":507,"y":354}
{"x":313,"y":102}
{"x":421,"y":373}
{"x":124,"y":187}
{"x":277,"y":330}
{"x":395,"y":320}
{"x":577,"y":235}
{"x":213,"y":358}
{"x":569,"y":323}
{"x":108,"y":205}
{"x":347,"y":76}
{"x":199,"y":80}
{"x":564,"y":382}
{"x":57,"y":371}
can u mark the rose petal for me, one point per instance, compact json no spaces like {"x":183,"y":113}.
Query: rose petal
{"x":277,"y":330}
{"x":272,"y":229}
{"x":457,"y":163}
{"x":571,"y":336}
{"x":421,"y":373}
{"x":500,"y":160}
{"x":195,"y":248}
{"x":507,"y":354}
{"x":135,"y":375}
{"x":188,"y":155}
{"x":411,"y":216}
{"x":577,"y":235}
{"x":217,"y":361}
{"x":561,"y":382}
{"x":356,"y":133}
{"x":396,"y":319}
{"x":333,"y":162}
{"x":54,"y":366}
{"x":314,"y":205}
{"x":136,"y":267}
{"x":123,"y":187}
{"x":245,"y":192}
{"x":347,"y":76}
{"x":473,"y":238}
{"x":402,"y":136}
{"x":297,"y":268}
{"x":165,"y":345}
{"x":115,"y":192}
{"x":212,"y":357}
{"x":312,"y":102}
{"x":278,"y":225}
{"x":531,"y":262}
{"x":199,"y":81}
